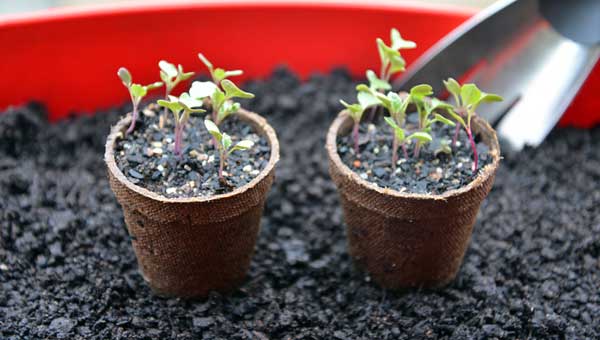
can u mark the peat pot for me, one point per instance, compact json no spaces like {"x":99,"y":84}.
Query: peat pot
{"x":404,"y":239}
{"x":187,"y":247}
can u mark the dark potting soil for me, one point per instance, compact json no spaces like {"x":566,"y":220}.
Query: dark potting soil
{"x":431,"y":171}
{"x":67,"y":268}
{"x":147,"y":159}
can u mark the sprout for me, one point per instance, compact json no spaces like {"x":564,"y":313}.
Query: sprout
{"x":418,"y":96}
{"x":172,"y":76}
{"x":365,"y":100}
{"x":467,"y":98}
{"x":184,"y":103}
{"x":136,"y":91}
{"x":222,"y":106}
{"x":224,"y":145}
{"x":218,"y":74}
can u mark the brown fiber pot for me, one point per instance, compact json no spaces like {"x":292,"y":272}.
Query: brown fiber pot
{"x":187,"y":247}
{"x":408,"y":240}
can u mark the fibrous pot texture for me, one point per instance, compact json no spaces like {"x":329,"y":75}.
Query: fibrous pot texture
{"x":405,"y":239}
{"x":188,"y":247}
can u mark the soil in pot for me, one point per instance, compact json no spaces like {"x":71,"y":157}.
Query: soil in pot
{"x":67,"y":269}
{"x":432,"y":172}
{"x":146,"y":157}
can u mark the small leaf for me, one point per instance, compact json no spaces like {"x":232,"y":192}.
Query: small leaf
{"x":153,"y":85}
{"x":186,"y":75}
{"x":218,"y":75}
{"x":213,"y":129}
{"x":202,"y":89}
{"x":242,"y":145}
{"x":205,"y":61}
{"x":489,"y":98}
{"x":363,"y":87}
{"x":232,"y":91}
{"x":384,"y":100}
{"x":138,"y":90}
{"x":164,"y":77}
{"x":395,"y":103}
{"x":226,"y":141}
{"x":168,"y":68}
{"x":421,"y":136}
{"x":398,"y":131}
{"x":125,"y":76}
{"x":174,"y":106}
{"x":366,"y":99}
{"x":439,"y":118}
{"x":399,"y":43}
{"x":398,"y":64}
{"x":453,"y":87}
{"x":457,"y":117}
{"x":355,"y":110}
{"x":470,"y":94}
{"x":218,"y":98}
{"x":375,"y":83}
{"x":420,"y":91}
{"x":233,"y":73}
{"x":189,"y":102}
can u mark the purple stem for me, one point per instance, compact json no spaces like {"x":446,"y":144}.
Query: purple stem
{"x":178,"y":136}
{"x":404,"y":150}
{"x":134,"y":116}
{"x":355,"y":137}
{"x":394,"y":152}
{"x":455,"y":135}
{"x":221,"y":164}
{"x":417,"y":150}
{"x":474,"y":148}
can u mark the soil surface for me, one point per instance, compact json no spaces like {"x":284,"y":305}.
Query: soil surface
{"x":147,"y":159}
{"x":68,"y":271}
{"x":433,"y":171}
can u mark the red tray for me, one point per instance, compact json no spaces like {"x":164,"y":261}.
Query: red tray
{"x":68,"y":58}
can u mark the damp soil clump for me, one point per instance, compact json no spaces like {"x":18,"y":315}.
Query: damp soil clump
{"x":68,"y":270}
{"x":146,"y":156}
{"x":433,"y":171}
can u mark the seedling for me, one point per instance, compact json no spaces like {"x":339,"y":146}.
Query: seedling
{"x":218,"y":74}
{"x":222,"y":104}
{"x":391,"y":62}
{"x":182,"y":107}
{"x":467,"y":97}
{"x":172,"y":76}
{"x":365,"y":100}
{"x":224,"y":145}
{"x":136,"y":91}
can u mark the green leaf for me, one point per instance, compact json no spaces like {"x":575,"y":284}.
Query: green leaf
{"x":186,"y":75}
{"x":153,"y":85}
{"x":227,"y":109}
{"x":138,"y":90}
{"x":355,"y":110}
{"x":218,"y":75}
{"x":189,"y":102}
{"x":421,"y":136}
{"x":232,"y":91}
{"x":174,"y":106}
{"x":205,"y":61}
{"x":399,"y":43}
{"x":125,"y":76}
{"x":395,"y":103}
{"x":242,"y":145}
{"x":367,"y":99}
{"x":202,"y":89}
{"x":233,"y":73}
{"x":375,"y":83}
{"x":398,"y":64}
{"x":453,"y":87}
{"x":439,"y":118}
{"x":213,"y":129}
{"x":456,"y":117}
{"x":470,"y":94}
{"x":398,"y":131}
{"x":226,"y":141}
{"x":168,"y":68}
{"x":420,"y":91}
{"x":218,"y":98}
{"x":489,"y":98}
{"x":164,"y":77}
{"x":384,"y":100}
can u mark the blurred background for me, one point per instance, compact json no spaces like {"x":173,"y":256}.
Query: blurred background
{"x":14,"y":6}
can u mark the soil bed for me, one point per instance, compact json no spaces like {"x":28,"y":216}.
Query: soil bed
{"x":67,"y":268}
{"x":432,"y":172}
{"x":146,"y":157}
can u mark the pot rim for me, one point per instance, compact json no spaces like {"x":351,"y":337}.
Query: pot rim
{"x":251,"y":117}
{"x":483,"y":175}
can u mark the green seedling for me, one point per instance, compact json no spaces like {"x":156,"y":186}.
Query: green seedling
{"x":172,"y":75}
{"x":136,"y":91}
{"x":222,"y":104}
{"x":182,"y":107}
{"x":365,"y":100}
{"x":224,"y":145}
{"x":467,"y":97}
{"x":218,"y":74}
{"x":391,"y":63}
{"x":419,"y":96}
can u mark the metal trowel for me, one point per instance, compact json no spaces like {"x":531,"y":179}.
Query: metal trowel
{"x":534,"y":53}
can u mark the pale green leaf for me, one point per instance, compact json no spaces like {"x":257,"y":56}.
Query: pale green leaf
{"x":453,"y":87}
{"x":398,"y":131}
{"x":233,"y":73}
{"x":399,"y":43}
{"x":226,"y":141}
{"x":138,"y":90}
{"x":375,"y":83}
{"x":205,"y":61}
{"x":242,"y":145}
{"x":186,"y":75}
{"x":125,"y":76}
{"x":213,"y":129}
{"x":218,"y":74}
{"x":202,"y":89}
{"x":423,"y":137}
{"x":153,"y":85}
{"x":189,"y":102}
{"x":470,"y":94}
{"x":398,"y":64}
{"x":456,"y":117}
{"x":168,"y":68}
{"x":174,"y":106}
{"x":232,"y":91}
{"x":439,"y":118}
{"x":420,"y":91}
{"x":367,"y":99}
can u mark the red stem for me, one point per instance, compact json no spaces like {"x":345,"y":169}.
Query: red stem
{"x":455,"y":135}
{"x":134,"y":116}
{"x":474,"y":148}
{"x":355,"y":137}
{"x":221,"y":164}
{"x":394,"y":152}
{"x":404,"y":150}
{"x":417,"y":149}
{"x":178,"y":136}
